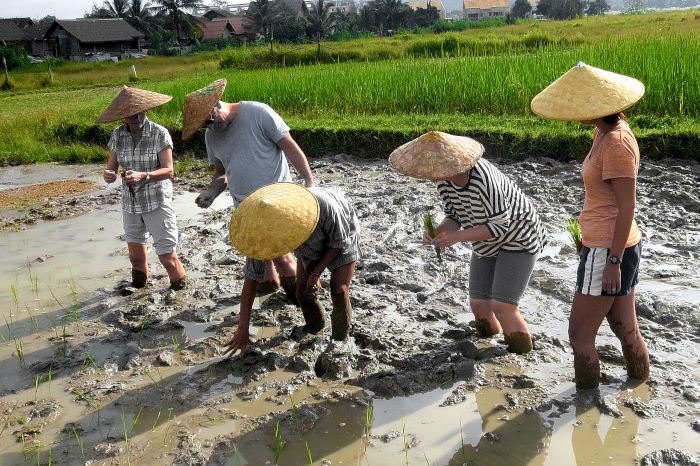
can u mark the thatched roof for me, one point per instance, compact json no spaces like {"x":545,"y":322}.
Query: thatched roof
{"x":89,"y":30}
{"x":10,"y":32}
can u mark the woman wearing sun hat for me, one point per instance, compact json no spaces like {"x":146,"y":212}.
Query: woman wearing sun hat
{"x":609,"y":264}
{"x":484,"y":207}
{"x":144,"y":150}
{"x":321,"y":227}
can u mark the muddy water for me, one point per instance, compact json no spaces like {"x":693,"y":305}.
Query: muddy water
{"x":139,"y":378}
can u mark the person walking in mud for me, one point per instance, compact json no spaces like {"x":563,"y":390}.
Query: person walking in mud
{"x":322,"y":229}
{"x":144,"y":151}
{"x":612,"y":242}
{"x":246,"y":142}
{"x":484,"y":207}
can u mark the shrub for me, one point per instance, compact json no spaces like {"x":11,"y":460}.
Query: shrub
{"x":14,"y":55}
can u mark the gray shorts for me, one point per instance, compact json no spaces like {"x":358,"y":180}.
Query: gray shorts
{"x":161,"y":223}
{"x":501,"y":278}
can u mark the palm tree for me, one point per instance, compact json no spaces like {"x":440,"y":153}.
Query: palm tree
{"x":139,"y":15}
{"x":263,"y":14}
{"x":175,"y":10}
{"x":389,"y":12}
{"x":116,"y":8}
{"x":320,"y":20}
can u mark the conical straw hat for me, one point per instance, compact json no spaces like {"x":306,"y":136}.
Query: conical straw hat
{"x":436,"y":156}
{"x":585,"y":93}
{"x":198,"y":106}
{"x":273,"y":220}
{"x":131,"y":101}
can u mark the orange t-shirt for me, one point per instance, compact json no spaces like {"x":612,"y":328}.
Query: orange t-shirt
{"x":615,"y":154}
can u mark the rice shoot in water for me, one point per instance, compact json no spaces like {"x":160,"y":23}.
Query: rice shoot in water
{"x":428,"y":222}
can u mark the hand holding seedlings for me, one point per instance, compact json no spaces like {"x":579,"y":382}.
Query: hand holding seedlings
{"x":128,"y":179}
{"x":428,"y":222}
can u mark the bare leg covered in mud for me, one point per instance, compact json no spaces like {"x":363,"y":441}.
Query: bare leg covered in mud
{"x":340,"y":297}
{"x":176,"y":272}
{"x":138,"y":256}
{"x":587,"y":313}
{"x":494,"y":316}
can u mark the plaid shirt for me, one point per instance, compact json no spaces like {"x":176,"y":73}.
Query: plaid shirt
{"x":142,"y":157}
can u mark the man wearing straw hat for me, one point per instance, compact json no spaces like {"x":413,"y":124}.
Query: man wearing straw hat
{"x":321,"y":227}
{"x":246,"y":142}
{"x":484,"y":207}
{"x":144,"y":150}
{"x":609,"y":260}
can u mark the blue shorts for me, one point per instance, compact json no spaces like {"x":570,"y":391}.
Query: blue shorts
{"x":589,"y":279}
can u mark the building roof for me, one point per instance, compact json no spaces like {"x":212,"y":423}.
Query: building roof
{"x":485,"y":4}
{"x":215,"y":28}
{"x":36,"y":31}
{"x":10,"y":32}
{"x":437,"y":4}
{"x":22,"y":22}
{"x":242,"y":25}
{"x":97,"y":30}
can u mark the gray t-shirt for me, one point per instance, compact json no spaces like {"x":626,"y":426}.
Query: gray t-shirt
{"x":247,"y":149}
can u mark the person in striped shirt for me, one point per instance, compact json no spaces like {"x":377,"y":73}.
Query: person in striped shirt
{"x":484,"y":207}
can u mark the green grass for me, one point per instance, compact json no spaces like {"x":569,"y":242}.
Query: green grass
{"x":479,"y":83}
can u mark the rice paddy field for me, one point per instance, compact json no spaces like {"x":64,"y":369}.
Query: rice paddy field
{"x":380,"y":92}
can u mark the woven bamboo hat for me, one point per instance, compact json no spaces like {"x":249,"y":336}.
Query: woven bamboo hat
{"x":585,"y":93}
{"x":273,"y":220}
{"x":436,"y":156}
{"x":198,"y":106}
{"x":131,"y":101}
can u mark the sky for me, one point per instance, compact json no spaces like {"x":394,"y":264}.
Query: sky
{"x":37,"y":9}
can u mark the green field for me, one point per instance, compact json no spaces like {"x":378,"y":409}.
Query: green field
{"x":388,"y":90}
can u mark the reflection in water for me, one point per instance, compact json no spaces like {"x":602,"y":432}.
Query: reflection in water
{"x":593,"y":444}
{"x":508,"y":438}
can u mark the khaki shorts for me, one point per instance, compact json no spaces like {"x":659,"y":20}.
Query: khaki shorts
{"x":161,"y":223}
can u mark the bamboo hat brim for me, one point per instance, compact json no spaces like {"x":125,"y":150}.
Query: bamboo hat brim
{"x":274,"y":220}
{"x":199,"y":104}
{"x":585,"y":93}
{"x":436,"y":156}
{"x":131,"y":101}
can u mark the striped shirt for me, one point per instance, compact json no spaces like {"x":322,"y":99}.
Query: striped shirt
{"x":142,"y":156}
{"x":492,"y":199}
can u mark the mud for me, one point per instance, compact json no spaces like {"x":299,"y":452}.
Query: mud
{"x":154,"y":374}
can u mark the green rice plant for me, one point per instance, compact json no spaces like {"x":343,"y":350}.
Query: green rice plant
{"x":278,"y":443}
{"x":136,"y":421}
{"x":33,"y":280}
{"x":406,"y":445}
{"x":19,"y":351}
{"x":308,"y":453}
{"x":81,"y":396}
{"x":428,"y":222}
{"x":7,"y":324}
{"x":89,"y":360}
{"x":54,"y":296}
{"x":3,"y":337}
{"x":80,"y":442}
{"x":170,"y":418}
{"x":574,"y":230}
{"x":49,"y":377}
{"x":461,"y":437}
{"x":33,"y":319}
{"x":36,"y":388}
{"x":176,"y":345}
{"x":126,"y":439}
{"x":155,"y":423}
{"x":15,"y":298}
{"x":368,"y":423}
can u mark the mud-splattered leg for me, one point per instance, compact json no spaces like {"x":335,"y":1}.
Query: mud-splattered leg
{"x":515,"y":330}
{"x":313,"y":313}
{"x":587,"y":313}
{"x":341,"y":316}
{"x":138,"y":254}
{"x":623,"y":322}
{"x":486,"y":323}
{"x":340,"y":295}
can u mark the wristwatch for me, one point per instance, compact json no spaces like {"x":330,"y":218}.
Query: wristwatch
{"x":148,"y":177}
{"x":613,"y":259}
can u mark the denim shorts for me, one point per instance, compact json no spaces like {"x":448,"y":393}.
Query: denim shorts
{"x":160,"y":223}
{"x":501,"y":278}
{"x":589,"y":278}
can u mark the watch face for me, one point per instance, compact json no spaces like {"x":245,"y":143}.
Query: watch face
{"x":614,"y":259}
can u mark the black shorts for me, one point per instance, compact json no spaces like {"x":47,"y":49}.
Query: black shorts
{"x":589,"y":279}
